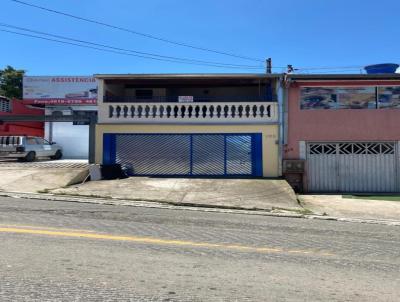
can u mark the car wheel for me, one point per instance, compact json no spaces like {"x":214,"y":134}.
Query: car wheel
{"x":58,"y":155}
{"x":31,"y":156}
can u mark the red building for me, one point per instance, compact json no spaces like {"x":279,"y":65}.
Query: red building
{"x":16,"y":107}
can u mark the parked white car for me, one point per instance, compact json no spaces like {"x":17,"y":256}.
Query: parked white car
{"x":28,"y":148}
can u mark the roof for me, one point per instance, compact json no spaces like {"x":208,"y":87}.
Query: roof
{"x":249,"y":76}
{"x":319,"y":77}
{"x":193,"y":76}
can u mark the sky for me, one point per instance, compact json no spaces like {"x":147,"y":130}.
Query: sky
{"x":304,"y":33}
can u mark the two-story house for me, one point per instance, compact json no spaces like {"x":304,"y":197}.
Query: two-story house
{"x":346,"y":128}
{"x":218,"y":125}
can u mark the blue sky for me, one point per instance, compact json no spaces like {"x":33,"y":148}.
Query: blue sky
{"x":305,"y":33}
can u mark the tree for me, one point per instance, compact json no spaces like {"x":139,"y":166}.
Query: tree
{"x":11,"y":82}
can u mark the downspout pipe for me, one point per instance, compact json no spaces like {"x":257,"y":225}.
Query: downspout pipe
{"x":281,"y":95}
{"x":283,"y":102}
{"x":285,"y":114}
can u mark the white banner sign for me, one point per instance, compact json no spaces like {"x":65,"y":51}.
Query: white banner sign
{"x":185,"y":99}
{"x":60,"y":90}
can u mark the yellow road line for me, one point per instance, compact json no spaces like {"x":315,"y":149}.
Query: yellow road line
{"x":42,"y":227}
{"x":156,"y":241}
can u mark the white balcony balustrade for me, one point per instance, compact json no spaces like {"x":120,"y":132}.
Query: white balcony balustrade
{"x":199,"y":112}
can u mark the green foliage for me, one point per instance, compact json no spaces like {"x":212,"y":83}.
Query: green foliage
{"x":11,"y":82}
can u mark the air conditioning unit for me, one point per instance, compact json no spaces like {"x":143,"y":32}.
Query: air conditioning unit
{"x":293,"y":166}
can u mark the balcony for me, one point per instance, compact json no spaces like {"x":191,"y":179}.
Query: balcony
{"x":196,"y":112}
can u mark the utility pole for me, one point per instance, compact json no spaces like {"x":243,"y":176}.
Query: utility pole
{"x":268,"y":64}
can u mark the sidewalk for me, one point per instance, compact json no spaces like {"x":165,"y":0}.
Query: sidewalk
{"x":336,"y":205}
{"x":248,"y":194}
{"x":267,"y":195}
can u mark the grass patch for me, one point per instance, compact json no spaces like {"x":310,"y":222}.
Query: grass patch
{"x":374,"y":197}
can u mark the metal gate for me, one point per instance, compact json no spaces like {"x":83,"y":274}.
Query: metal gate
{"x":231,"y":155}
{"x":352,"y":167}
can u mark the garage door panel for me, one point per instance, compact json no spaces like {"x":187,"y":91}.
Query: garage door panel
{"x":352,"y":167}
{"x":239,"y":155}
{"x":385,"y":173}
{"x":322,"y":173}
{"x":185,"y":154}
{"x":208,"y":155}
{"x":153,"y":154}
{"x":355,"y":172}
{"x":322,"y":167}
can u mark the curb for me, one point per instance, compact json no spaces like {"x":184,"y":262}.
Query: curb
{"x":356,"y":220}
{"x":146,"y":204}
{"x":202,"y":208}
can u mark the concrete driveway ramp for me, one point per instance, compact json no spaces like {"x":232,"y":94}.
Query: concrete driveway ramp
{"x":37,"y":179}
{"x":264,"y":194}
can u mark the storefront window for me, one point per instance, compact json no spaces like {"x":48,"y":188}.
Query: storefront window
{"x":318,"y":98}
{"x":356,"y":98}
{"x":389,"y":97}
{"x":338,"y":98}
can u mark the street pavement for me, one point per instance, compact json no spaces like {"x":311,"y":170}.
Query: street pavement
{"x":64,"y":251}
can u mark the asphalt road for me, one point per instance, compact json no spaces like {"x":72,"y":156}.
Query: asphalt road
{"x":62,"y":251}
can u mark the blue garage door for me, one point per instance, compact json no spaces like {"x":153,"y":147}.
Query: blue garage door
{"x":185,"y":154}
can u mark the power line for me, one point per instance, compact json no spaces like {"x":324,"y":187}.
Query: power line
{"x":136,"y":32}
{"x":174,"y":42}
{"x":130,"y":50}
{"x":112,"y":51}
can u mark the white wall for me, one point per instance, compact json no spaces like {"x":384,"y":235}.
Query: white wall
{"x":74,"y":139}
{"x":224,"y":92}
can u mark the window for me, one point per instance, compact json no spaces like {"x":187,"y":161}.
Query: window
{"x":338,"y":98}
{"x":389,"y":97}
{"x":5,"y":105}
{"x":318,"y":98}
{"x":144,"y":94}
{"x":31,"y":141}
{"x":41,"y":141}
{"x":356,"y":97}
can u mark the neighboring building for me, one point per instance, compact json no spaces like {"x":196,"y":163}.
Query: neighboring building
{"x":219,"y":125}
{"x":16,"y":107}
{"x":346,"y":129}
{"x":64,"y":95}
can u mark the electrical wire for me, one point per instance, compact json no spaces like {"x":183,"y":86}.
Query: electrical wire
{"x":136,"y":32}
{"x":129,"y":50}
{"x":301,"y":69}
{"x":112,"y":51}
